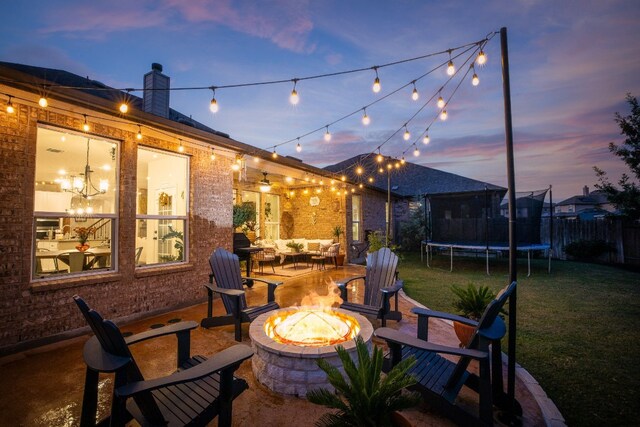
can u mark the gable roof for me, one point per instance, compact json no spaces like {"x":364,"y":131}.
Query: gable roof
{"x":100,"y":90}
{"x":594,"y":198}
{"x":410,"y":179}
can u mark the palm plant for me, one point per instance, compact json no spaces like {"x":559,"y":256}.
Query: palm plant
{"x":364,"y":397}
{"x":179,"y":242}
{"x":472,"y":301}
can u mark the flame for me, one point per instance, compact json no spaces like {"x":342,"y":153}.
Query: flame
{"x":331,"y":299}
{"x":311,"y":327}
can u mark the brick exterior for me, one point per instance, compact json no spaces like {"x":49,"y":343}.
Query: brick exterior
{"x":31,"y":312}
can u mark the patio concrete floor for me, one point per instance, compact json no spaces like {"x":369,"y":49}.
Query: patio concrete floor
{"x":43,"y":386}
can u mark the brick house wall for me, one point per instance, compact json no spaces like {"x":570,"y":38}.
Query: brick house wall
{"x":33,"y":313}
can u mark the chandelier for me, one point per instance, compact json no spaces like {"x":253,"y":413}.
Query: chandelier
{"x":83,"y":188}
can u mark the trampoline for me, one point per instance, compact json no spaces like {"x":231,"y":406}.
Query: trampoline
{"x":478,"y":222}
{"x":426,"y":248}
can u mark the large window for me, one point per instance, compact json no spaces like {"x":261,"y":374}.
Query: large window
{"x":161,"y":207}
{"x":253,"y":197}
{"x":271,"y":217}
{"x":356,"y":217}
{"x":75,"y":203}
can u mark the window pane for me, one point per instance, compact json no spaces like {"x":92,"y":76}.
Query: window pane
{"x":159,"y":241}
{"x":355,"y":208}
{"x":254,"y":198}
{"x":271,"y":217}
{"x":74,"y":171}
{"x":162,"y":183}
{"x":58,"y":248}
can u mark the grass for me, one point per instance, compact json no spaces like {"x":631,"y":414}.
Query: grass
{"x":578,"y":328}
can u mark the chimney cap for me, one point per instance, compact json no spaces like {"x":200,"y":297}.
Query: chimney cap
{"x":156,"y":67}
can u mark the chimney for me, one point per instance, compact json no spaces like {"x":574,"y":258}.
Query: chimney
{"x":585,"y":191}
{"x":156,"y":91}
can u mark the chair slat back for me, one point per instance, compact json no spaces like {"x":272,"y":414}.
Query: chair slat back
{"x":226,"y":273}
{"x":380,"y":273}
{"x":112,"y":341}
{"x":488,"y":317}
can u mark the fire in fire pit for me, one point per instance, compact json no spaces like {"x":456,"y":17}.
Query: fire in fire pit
{"x":311,"y":327}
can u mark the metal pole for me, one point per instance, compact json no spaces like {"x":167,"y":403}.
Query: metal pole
{"x":388,"y":206}
{"x":513,"y":273}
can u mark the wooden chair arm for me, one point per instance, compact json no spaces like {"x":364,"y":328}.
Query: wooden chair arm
{"x":345,"y":282}
{"x":390,"y":290}
{"x":229,"y":292}
{"x":165,"y":330}
{"x":229,"y":358}
{"x":99,"y":360}
{"x":422,"y":312}
{"x":396,"y":337}
{"x":268,"y":282}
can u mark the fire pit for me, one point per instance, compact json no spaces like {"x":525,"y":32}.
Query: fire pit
{"x":288,"y":342}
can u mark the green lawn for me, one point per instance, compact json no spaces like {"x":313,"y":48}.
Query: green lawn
{"x":577,"y":328}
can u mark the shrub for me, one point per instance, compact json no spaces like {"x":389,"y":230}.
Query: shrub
{"x":587,"y":249}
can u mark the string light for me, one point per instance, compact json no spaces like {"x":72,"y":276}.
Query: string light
{"x":380,"y":170}
{"x":402,"y":161}
{"x":389,"y":166}
{"x":379,"y":157}
{"x":365,"y":119}
{"x":236,"y":165}
{"x":213,"y":155}
{"x":139,"y":134}
{"x":213,"y":106}
{"x":43,"y":102}
{"x":443,"y":115}
{"x":274,"y":154}
{"x":360,"y":186}
{"x":441,"y":102}
{"x":474,"y":80}
{"x":343,"y":178}
{"x":415,"y":95}
{"x":85,"y":126}
{"x":294,"y":98}
{"x":406,"y":135}
{"x":124,"y":108}
{"x":256,"y":159}
{"x":181,"y":147}
{"x":451,"y":69}
{"x":396,"y":165}
{"x":298,"y":147}
{"x":10,"y":108}
{"x":416,"y":152}
{"x":359,"y":170}
{"x":327,"y":135}
{"x":426,"y":138}
{"x":376,"y":83}
{"x":370,"y":179}
{"x":482,"y":58}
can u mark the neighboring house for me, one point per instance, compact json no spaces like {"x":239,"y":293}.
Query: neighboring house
{"x":441,"y":195}
{"x":589,"y":205}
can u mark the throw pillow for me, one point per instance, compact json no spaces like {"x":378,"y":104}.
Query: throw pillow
{"x":313,"y":247}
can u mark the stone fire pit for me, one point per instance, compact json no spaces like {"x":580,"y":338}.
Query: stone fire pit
{"x":287,"y":343}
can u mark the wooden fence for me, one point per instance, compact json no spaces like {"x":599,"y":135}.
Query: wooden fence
{"x":623,"y":236}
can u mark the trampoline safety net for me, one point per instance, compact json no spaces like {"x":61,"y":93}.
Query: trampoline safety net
{"x":482,"y":218}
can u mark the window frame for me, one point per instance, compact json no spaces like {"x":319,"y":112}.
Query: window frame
{"x":358,"y":222}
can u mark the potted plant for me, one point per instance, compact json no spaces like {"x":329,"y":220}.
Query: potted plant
{"x":83,"y":234}
{"x":337,"y":231}
{"x":295,"y":247}
{"x":470,"y":303}
{"x":178,"y":244}
{"x":363,"y":396}
{"x":244,"y":215}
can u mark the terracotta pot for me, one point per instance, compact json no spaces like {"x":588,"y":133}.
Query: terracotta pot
{"x":340,"y":259}
{"x":399,"y":420}
{"x":463,"y":332}
{"x":82,"y":247}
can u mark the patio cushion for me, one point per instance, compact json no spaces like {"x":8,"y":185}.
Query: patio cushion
{"x":313,"y":246}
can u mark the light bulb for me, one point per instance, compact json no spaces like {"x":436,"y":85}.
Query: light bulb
{"x":213,"y":155}
{"x":343,"y":178}
{"x":294,"y":98}
{"x":181,"y":148}
{"x":416,"y":152}
{"x":43,"y":102}
{"x":78,"y":184}
{"x":376,"y":85}
{"x":380,"y":170}
{"x":396,"y":165}
{"x":406,"y":135}
{"x":104,"y":185}
{"x":370,"y":179}
{"x":359,"y":170}
{"x":475,"y":80}
{"x":426,"y":139}
{"x":440,"y":102}
{"x":389,"y":166}
{"x":298,"y":147}
{"x":482,"y":58}
{"x":443,"y":115}
{"x":451,"y":70}
{"x":124,"y":108}
{"x":402,"y":160}
{"x":89,"y":210}
{"x":85,"y":126}
{"x":10,"y":108}
{"x":139,"y":134}
{"x":213,"y":106}
{"x":274,"y":154}
{"x":256,"y":159}
{"x":360,"y":185}
{"x":379,"y":158}
{"x":365,"y":119}
{"x":415,"y":95}
{"x":327,"y":135}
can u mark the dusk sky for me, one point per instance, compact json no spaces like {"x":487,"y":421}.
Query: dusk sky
{"x":572,"y":64}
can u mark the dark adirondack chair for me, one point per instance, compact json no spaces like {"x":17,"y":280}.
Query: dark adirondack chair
{"x":440,"y":379}
{"x":200,"y":390}
{"x":225,"y":268}
{"x":380,"y":284}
